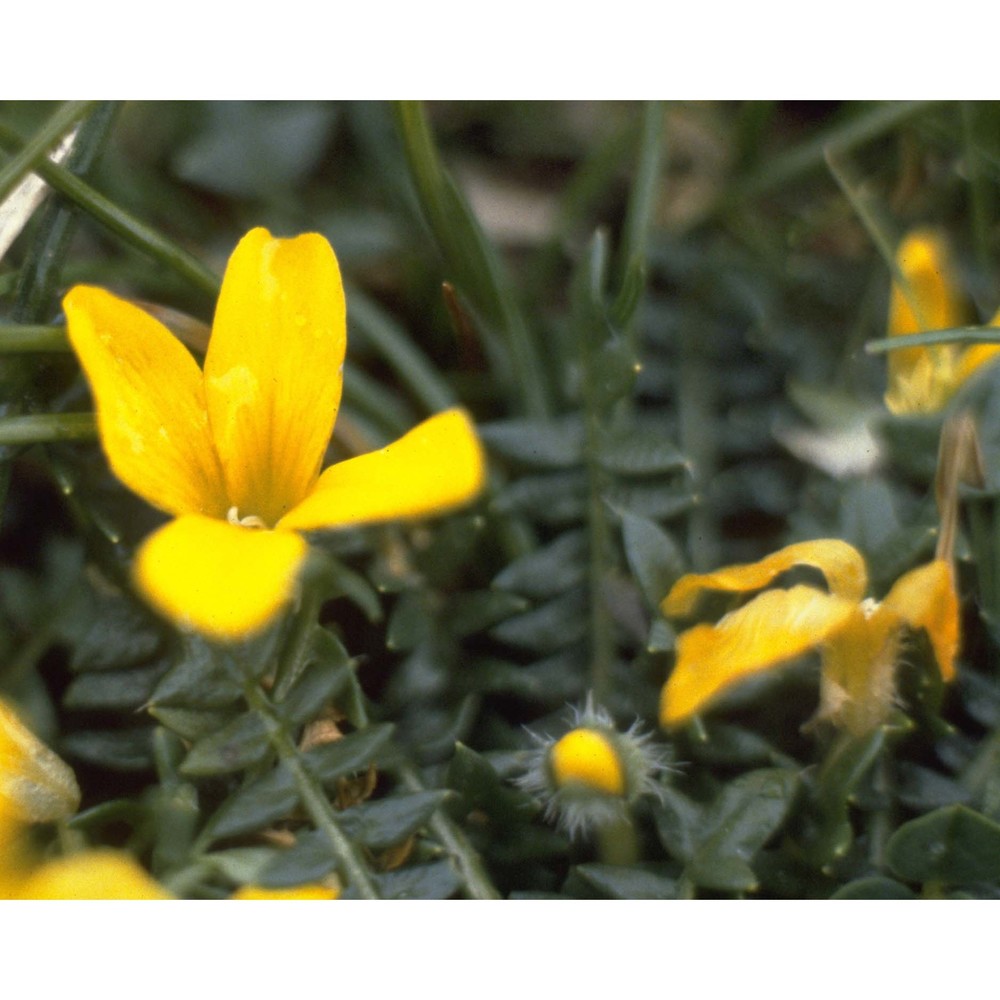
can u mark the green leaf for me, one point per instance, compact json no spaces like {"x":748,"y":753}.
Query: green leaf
{"x":922,"y":789}
{"x":390,"y":821}
{"x":662,"y":636}
{"x":411,"y":622}
{"x":639,"y":451}
{"x":653,"y":556}
{"x":274,"y":796}
{"x":615,"y":882}
{"x":176,"y":816}
{"x":350,"y":754}
{"x":113,"y":689}
{"x":241,"y":865}
{"x":252,"y":150}
{"x":549,"y":570}
{"x":238,"y":745}
{"x":743,"y":818}
{"x":737,"y":747}
{"x":255,"y":806}
{"x":476,"y":611}
{"x":553,"y":681}
{"x":119,"y":635}
{"x":323,"y":679}
{"x":874,"y":887}
{"x":437,"y":880}
{"x":308,"y":860}
{"x":550,"y":444}
{"x":117,"y":750}
{"x":678,"y":823}
{"x":474,"y":778}
{"x":356,"y":589}
{"x":652,"y":500}
{"x":557,"y":498}
{"x":556,"y":624}
{"x":189,"y":723}
{"x":197,"y":680}
{"x":954,"y":845}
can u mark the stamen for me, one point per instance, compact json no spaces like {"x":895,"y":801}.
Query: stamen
{"x":250,"y":521}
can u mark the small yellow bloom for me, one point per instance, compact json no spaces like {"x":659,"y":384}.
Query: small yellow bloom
{"x":923,"y":379}
{"x":589,"y":776}
{"x":99,"y":874}
{"x":234,"y":452}
{"x":587,"y":757}
{"x":858,"y":640}
{"x":311,"y":891}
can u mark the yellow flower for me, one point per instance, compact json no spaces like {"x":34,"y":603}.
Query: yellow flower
{"x":311,"y":891}
{"x":36,"y":786}
{"x":587,"y":757}
{"x":923,"y":379}
{"x":99,"y":874}
{"x":859,"y":640}
{"x":234,"y":452}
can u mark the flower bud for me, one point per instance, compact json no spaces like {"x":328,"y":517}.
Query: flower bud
{"x":588,"y":778}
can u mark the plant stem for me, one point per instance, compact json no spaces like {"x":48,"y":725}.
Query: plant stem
{"x":120,"y":222}
{"x":617,"y":844}
{"x":36,"y":427}
{"x":592,"y":331}
{"x":312,"y":794}
{"x":54,"y":128}
{"x":290,"y":663}
{"x":27,"y":339}
{"x":469,"y":254}
{"x":810,"y":155}
{"x":470,"y":865}
{"x":642,"y":200}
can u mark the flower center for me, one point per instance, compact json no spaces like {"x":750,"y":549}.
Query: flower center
{"x":869,"y":606}
{"x":250,"y":521}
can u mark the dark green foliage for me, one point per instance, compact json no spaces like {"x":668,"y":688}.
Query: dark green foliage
{"x":656,"y":316}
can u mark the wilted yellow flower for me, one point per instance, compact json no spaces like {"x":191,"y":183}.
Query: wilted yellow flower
{"x":858,"y":640}
{"x":313,"y":890}
{"x":923,"y":379}
{"x":36,"y":786}
{"x":234,"y":452}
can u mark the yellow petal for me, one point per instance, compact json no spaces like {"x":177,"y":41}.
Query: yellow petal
{"x":840,"y":563}
{"x":101,"y":874}
{"x":922,"y":379}
{"x":588,"y":757}
{"x":973,"y":358}
{"x":924,"y":259}
{"x":434,"y":468}
{"x":273,"y":370}
{"x":150,"y":403}
{"x":36,"y":786}
{"x":770,"y":630}
{"x":17,"y":858}
{"x":925,"y":598}
{"x":222,"y":580}
{"x":311,"y":891}
{"x":858,"y":679}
